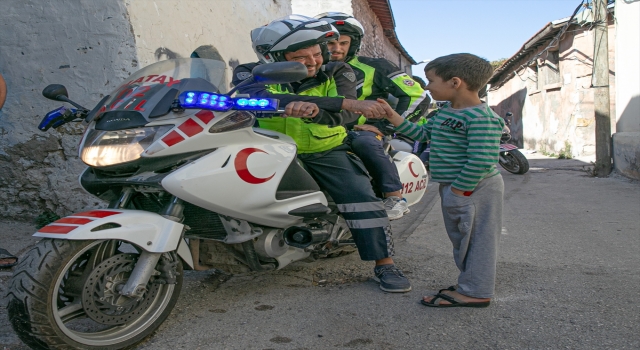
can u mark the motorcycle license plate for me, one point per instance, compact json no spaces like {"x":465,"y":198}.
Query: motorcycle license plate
{"x":507,"y":147}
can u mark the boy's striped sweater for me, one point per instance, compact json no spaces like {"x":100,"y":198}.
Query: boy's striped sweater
{"x":464,"y":144}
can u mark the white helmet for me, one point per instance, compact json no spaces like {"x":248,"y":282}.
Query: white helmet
{"x":346,"y":25}
{"x":290,"y":34}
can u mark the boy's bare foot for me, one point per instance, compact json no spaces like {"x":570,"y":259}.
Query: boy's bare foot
{"x":451,"y":298}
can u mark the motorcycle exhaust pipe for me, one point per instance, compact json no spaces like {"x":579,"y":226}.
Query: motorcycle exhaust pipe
{"x":302,"y":237}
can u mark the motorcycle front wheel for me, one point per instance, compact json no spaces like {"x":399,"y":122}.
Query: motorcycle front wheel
{"x":514,"y":162}
{"x":64,"y":295}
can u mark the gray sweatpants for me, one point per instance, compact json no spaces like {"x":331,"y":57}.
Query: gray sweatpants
{"x":474,"y":224}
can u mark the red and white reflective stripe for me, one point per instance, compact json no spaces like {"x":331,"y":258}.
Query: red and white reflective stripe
{"x":205,"y":116}
{"x":59,"y":229}
{"x":507,"y":146}
{"x":73,"y":221}
{"x":97,"y":213}
{"x":70,"y":223}
{"x":189,"y":128}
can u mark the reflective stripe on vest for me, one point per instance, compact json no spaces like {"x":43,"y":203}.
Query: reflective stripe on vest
{"x":365,"y":88}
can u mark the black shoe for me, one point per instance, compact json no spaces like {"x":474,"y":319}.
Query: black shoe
{"x":391,"y":279}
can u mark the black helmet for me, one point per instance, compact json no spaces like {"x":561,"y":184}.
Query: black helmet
{"x":289,"y":34}
{"x":346,"y":25}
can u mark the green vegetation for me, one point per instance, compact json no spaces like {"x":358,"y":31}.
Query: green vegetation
{"x":497,"y":63}
{"x":547,"y":153}
{"x":565,"y":153}
{"x":46,"y":218}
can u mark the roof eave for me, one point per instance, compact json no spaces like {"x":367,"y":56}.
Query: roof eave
{"x":543,"y":34}
{"x":549,"y":29}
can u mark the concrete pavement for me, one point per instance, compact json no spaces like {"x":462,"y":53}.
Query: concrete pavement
{"x":568,"y":277}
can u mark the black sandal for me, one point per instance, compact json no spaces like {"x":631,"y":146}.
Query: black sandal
{"x":452,"y":300}
{"x":451,"y":288}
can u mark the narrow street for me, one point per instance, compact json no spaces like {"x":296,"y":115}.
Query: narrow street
{"x":567,"y":278}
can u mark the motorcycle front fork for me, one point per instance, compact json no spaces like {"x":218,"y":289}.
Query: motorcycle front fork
{"x":136,"y":284}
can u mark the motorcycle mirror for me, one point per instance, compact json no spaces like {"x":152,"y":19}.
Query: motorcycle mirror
{"x":56,"y":92}
{"x":279,"y":72}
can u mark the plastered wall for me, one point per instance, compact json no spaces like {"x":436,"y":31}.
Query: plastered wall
{"x":626,"y":141}
{"x":90,"y":47}
{"x":553,"y":115}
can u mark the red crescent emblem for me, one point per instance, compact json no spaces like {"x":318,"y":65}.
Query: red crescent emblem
{"x":243,"y":171}
{"x":411,"y":170}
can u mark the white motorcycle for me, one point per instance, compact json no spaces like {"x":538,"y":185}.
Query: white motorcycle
{"x":190,"y":181}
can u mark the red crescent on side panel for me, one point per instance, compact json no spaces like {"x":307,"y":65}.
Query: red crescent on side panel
{"x":243,"y":171}
{"x":411,"y":170}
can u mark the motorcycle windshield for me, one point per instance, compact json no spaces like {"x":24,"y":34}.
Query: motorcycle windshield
{"x":158,"y":84}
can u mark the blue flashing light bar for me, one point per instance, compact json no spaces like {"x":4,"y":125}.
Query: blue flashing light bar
{"x":208,"y":100}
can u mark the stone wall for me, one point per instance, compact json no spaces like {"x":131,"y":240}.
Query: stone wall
{"x":553,"y":110}
{"x":87,"y":46}
{"x":375,"y":43}
{"x":90,"y":47}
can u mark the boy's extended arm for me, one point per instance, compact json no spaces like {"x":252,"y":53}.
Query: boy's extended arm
{"x":416,"y":132}
{"x":483,"y":135}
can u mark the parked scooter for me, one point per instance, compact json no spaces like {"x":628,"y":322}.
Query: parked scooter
{"x":511,"y":159}
{"x":191,"y":182}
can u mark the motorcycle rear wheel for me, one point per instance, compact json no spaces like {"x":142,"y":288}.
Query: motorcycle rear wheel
{"x":516,"y":162}
{"x":47,"y":307}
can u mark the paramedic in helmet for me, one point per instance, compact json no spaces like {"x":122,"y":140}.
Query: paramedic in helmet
{"x":315,"y":112}
{"x":376,"y":78}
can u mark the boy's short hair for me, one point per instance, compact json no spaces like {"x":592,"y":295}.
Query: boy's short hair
{"x":473,"y":70}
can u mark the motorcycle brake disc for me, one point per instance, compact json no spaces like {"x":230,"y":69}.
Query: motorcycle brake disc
{"x":101,"y":299}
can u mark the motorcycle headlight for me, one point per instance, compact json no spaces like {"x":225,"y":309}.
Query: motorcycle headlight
{"x":104,"y":148}
{"x":234,"y":121}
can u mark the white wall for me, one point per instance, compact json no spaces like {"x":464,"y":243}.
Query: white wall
{"x":627,"y":65}
{"x":312,"y":8}
{"x":177,"y":27}
{"x":626,"y":141}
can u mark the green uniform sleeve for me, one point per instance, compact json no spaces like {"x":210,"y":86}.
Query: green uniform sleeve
{"x":412,"y":100}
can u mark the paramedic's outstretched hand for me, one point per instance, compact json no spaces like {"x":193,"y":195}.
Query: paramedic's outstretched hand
{"x":369,"y":109}
{"x":367,"y":127}
{"x":301,"y":110}
{"x":391,"y":115}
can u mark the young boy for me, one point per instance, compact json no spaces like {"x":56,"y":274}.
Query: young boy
{"x":465,"y":138}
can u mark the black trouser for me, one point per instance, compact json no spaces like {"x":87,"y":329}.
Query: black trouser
{"x":342,"y":175}
{"x":370,"y":149}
